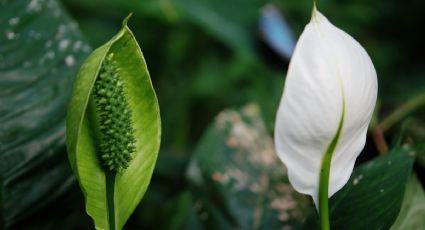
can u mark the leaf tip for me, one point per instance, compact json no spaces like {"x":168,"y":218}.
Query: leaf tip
{"x":125,"y":21}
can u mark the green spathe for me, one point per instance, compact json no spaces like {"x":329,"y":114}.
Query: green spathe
{"x":112,"y":197}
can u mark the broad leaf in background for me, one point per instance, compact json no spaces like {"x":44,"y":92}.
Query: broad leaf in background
{"x":232,"y":22}
{"x":412,"y":213}
{"x":237,"y":180}
{"x":40,"y":50}
{"x":373,"y":196}
{"x":111,"y":198}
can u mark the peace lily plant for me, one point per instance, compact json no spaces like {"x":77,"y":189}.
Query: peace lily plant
{"x":327,"y":104}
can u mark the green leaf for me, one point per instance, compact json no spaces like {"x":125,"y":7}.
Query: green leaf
{"x":412,"y":211}
{"x":111,"y":197}
{"x":219,"y":19}
{"x":40,"y":50}
{"x":372,"y":197}
{"x":237,"y":180}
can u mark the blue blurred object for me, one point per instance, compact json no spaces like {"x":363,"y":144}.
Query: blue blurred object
{"x":275,"y":31}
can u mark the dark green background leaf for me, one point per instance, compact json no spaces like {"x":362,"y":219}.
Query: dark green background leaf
{"x":373,"y":196}
{"x":40,"y":50}
{"x":237,"y":180}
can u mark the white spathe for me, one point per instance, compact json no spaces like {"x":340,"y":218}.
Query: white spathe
{"x":328,"y":69}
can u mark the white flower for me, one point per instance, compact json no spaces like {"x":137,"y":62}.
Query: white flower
{"x":329,"y":95}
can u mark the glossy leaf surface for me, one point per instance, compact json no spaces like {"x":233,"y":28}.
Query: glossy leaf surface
{"x":41,"y":48}
{"x":373,"y":196}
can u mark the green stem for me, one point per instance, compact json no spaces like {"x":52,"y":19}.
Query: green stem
{"x":402,"y":111}
{"x":325,"y":174}
{"x":323,"y":192}
{"x":379,"y":139}
{"x":110,"y":193}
